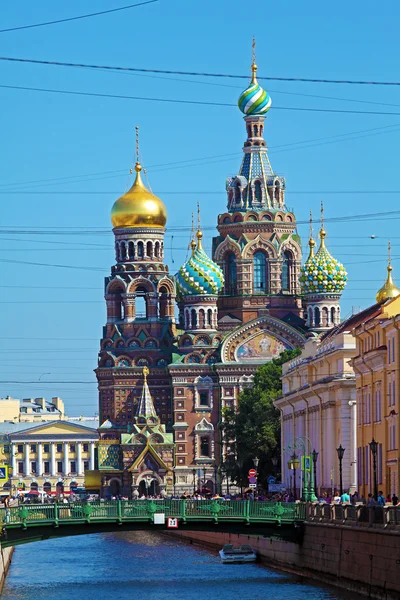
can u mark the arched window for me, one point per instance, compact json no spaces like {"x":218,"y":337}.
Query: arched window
{"x":333,"y":316}
{"x":325,"y":316}
{"x":163,"y":302}
{"x":194,"y":319}
{"x":202,"y":319}
{"x":140,"y":303}
{"x":123,"y":251}
{"x":260,"y":273}
{"x":204,"y":446}
{"x":317,"y":317}
{"x":258,"y":191}
{"x":140,"y":249}
{"x":131,"y":252}
{"x":286,"y":270}
{"x":157,"y":249}
{"x":237,"y":193}
{"x":149,"y":249}
{"x":209,"y":317}
{"x":230,"y":273}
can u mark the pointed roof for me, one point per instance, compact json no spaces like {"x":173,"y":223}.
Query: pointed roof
{"x":149,"y":450}
{"x":146,"y":406}
{"x":389,"y":289}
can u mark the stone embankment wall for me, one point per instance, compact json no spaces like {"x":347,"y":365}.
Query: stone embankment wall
{"x":366,"y":561}
{"x":5,"y":561}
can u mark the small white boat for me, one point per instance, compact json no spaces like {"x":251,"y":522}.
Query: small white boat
{"x":243,"y":554}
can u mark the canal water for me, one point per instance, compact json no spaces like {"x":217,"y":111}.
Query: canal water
{"x":144,"y":565}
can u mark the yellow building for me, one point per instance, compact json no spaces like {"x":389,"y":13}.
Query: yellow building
{"x":52,"y":457}
{"x":318,"y":403}
{"x":31,"y":410}
{"x":377,"y":370}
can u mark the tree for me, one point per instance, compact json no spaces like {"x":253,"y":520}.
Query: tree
{"x":253,"y":430}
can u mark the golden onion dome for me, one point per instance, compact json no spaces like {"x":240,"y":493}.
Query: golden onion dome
{"x":389,"y":289}
{"x":138,"y":207}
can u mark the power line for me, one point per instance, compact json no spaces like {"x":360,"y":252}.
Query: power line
{"x":194,"y":102}
{"x":96,"y":14}
{"x":196,"y":73}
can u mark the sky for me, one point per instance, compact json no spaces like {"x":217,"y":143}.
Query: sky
{"x":64,"y":159}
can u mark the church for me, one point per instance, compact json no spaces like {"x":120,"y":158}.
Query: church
{"x":178,"y":348}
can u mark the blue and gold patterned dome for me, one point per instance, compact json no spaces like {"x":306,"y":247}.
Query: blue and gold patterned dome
{"x":322,"y":274}
{"x":254,"y":101}
{"x":199,"y":275}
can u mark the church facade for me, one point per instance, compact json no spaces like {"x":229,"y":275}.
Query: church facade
{"x":237,"y":310}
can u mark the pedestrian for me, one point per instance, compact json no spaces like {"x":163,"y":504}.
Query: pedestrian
{"x":381,"y":499}
{"x":345,"y":498}
{"x":395,"y":499}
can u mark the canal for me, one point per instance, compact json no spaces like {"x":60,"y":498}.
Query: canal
{"x":144,"y":565}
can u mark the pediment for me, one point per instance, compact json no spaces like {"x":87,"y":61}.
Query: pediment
{"x":260,"y":341}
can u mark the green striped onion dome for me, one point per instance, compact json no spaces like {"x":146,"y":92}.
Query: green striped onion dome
{"x":199,"y":275}
{"x":254,"y":100}
{"x":322,"y":274}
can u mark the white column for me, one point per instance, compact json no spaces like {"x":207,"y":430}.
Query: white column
{"x":26,"y":459}
{"x":52,"y":459}
{"x":40,"y":459}
{"x":66,"y":466}
{"x":13,"y":460}
{"x":353,"y":420}
{"x":91,"y":456}
{"x":79,"y":469}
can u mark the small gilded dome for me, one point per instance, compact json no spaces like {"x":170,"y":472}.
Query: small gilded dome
{"x":138,"y":207}
{"x":199,"y":275}
{"x":388,"y":290}
{"x":322,"y":274}
{"x":254,"y":101}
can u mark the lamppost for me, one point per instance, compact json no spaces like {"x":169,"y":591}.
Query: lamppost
{"x":194,"y":481}
{"x":314,"y":459}
{"x":340,"y":453}
{"x":215,"y":479}
{"x":274,"y":461}
{"x":256,"y":461}
{"x":294,"y":464}
{"x":239,"y":463}
{"x":373,"y":446}
{"x":303,"y":443}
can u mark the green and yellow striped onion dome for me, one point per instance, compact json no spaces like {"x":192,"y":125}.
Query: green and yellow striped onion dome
{"x":199,"y":275}
{"x":322,"y":274}
{"x":254,"y":101}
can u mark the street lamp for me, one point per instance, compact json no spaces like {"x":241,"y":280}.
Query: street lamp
{"x":373,"y":446}
{"x":239,"y":463}
{"x":340,"y":453}
{"x":294,"y":464}
{"x":215,"y":479}
{"x":274,"y":461}
{"x":303,"y":443}
{"x":194,"y":481}
{"x":256,"y":461}
{"x":314,"y":455}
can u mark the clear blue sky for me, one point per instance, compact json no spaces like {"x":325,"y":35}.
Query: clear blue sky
{"x":46,"y":136}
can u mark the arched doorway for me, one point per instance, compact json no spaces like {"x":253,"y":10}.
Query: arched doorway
{"x":59,"y":487}
{"x":114,"y":487}
{"x":34,"y":486}
{"x":47,"y":487}
{"x":149,"y":487}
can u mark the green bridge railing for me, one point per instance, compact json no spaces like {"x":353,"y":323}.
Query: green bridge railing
{"x":120,"y":511}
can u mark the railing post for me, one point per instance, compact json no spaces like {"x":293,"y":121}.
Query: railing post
{"x":182,"y":510}
{"x":119,"y":509}
{"x":56,"y":514}
{"x":247,"y":510}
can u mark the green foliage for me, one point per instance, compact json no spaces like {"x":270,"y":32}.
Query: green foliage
{"x":255,"y":426}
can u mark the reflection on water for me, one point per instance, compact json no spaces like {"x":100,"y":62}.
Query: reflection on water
{"x":143,"y":565}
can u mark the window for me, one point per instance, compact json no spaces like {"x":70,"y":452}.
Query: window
{"x":59,"y":466}
{"x":258,"y":192}
{"x":85,"y":465}
{"x":46,"y":447}
{"x":389,"y":391}
{"x":20,"y":448}
{"x":59,"y":447}
{"x":46,"y":467}
{"x":230,"y":274}
{"x":392,"y":436}
{"x":204,"y":446}
{"x":33,"y":467}
{"x":72,"y":447}
{"x":393,"y":357}
{"x":393,"y":392}
{"x":286,"y":270}
{"x":33,"y":448}
{"x":379,"y":465}
{"x":204,"y":398}
{"x":20,"y":468}
{"x":378,"y":408}
{"x":73,"y":466}
{"x":86,"y":447}
{"x":260,"y":273}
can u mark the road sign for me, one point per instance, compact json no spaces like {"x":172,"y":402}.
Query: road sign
{"x":252,"y":479}
{"x":252,"y":473}
{"x":252,"y":485}
{"x":276,"y":487}
{"x":271,"y":479}
{"x":3,"y":472}
{"x":172,"y":523}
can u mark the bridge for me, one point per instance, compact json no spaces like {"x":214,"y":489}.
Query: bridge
{"x":35,"y":522}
